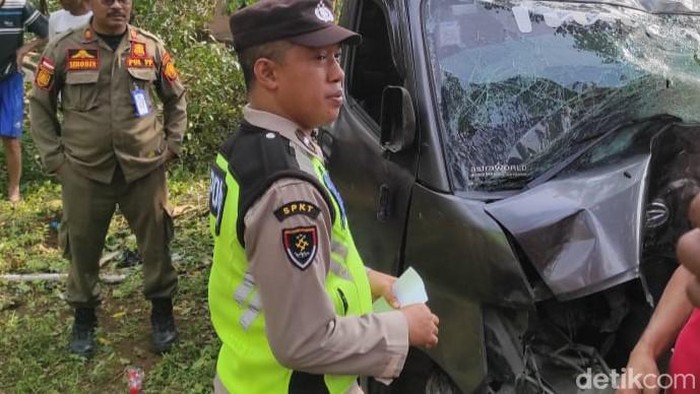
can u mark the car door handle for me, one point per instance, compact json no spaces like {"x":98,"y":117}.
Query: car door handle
{"x":383,"y":203}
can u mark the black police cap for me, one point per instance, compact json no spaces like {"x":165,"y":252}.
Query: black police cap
{"x":304,"y":22}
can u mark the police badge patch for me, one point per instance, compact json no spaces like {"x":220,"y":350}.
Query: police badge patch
{"x":300,"y":244}
{"x":138,"y":50}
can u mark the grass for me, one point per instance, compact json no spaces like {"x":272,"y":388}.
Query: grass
{"x":35,"y":321}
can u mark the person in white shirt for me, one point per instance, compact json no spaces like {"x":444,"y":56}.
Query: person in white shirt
{"x":74,"y":13}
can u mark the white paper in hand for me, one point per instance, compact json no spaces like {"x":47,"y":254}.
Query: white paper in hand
{"x":408,"y":289}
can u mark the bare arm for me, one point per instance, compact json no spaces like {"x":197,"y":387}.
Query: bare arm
{"x":380,"y":284}
{"x":668,"y":319}
{"x":32,"y":45}
{"x":669,"y":316}
{"x":687,"y":250}
{"x":36,"y":23}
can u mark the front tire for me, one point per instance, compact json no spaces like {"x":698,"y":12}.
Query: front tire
{"x":439,"y":383}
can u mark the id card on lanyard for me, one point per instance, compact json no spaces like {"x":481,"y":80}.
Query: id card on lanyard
{"x":138,"y":97}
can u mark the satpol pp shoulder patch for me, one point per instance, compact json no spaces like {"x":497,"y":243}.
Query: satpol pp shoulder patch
{"x":169,"y":71}
{"x":44,"y":74}
{"x":297,"y":208}
{"x":300,"y":244}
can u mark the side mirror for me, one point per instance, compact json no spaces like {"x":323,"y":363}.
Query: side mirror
{"x":398,"y":119}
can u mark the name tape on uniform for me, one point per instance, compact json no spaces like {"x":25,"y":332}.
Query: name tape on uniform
{"x":83,"y":60}
{"x":297,"y":208}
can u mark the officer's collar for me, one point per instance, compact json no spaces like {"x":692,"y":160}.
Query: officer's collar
{"x":89,"y":34}
{"x":285,"y":127}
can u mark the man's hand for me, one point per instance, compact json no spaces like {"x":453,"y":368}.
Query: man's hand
{"x":24,"y":50}
{"x":641,"y":363}
{"x":422,"y":325}
{"x":21,"y":54}
{"x":381,"y":286}
{"x":169,"y":156}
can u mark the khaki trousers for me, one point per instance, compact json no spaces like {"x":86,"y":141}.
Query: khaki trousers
{"x":88,"y":207}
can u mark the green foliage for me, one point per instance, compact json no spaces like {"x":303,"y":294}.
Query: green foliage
{"x":216,"y":91}
{"x":233,"y":5}
{"x":35,"y":321}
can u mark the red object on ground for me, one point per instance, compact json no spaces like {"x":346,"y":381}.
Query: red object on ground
{"x":135,"y":375}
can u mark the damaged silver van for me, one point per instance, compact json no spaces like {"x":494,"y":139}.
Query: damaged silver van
{"x":533,"y":161}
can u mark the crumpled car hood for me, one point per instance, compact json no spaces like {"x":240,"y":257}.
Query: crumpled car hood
{"x":581,"y":239}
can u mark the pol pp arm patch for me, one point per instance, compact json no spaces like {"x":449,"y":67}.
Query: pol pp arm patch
{"x":44,"y":74}
{"x":297,"y":208}
{"x":300,"y":245}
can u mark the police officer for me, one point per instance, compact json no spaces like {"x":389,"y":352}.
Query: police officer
{"x":111,"y":149}
{"x":288,"y":293}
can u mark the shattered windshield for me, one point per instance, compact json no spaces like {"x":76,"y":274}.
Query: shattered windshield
{"x":522,"y":86}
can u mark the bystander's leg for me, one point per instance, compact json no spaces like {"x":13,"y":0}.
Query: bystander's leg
{"x":11,"y":120}
{"x":13,"y":156}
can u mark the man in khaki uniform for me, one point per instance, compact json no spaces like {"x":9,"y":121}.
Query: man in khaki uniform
{"x":111,"y":149}
{"x":289,"y":295}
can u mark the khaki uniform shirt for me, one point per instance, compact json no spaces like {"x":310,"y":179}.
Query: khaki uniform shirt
{"x":312,"y":339}
{"x":102,"y":127}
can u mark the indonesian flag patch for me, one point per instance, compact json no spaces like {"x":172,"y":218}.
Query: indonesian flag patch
{"x":300,"y":244}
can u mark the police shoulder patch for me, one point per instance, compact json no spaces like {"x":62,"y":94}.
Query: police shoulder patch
{"x":297,"y":208}
{"x":300,"y":245}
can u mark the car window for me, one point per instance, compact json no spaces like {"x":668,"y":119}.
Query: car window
{"x":522,"y":86}
{"x":372,"y":68}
